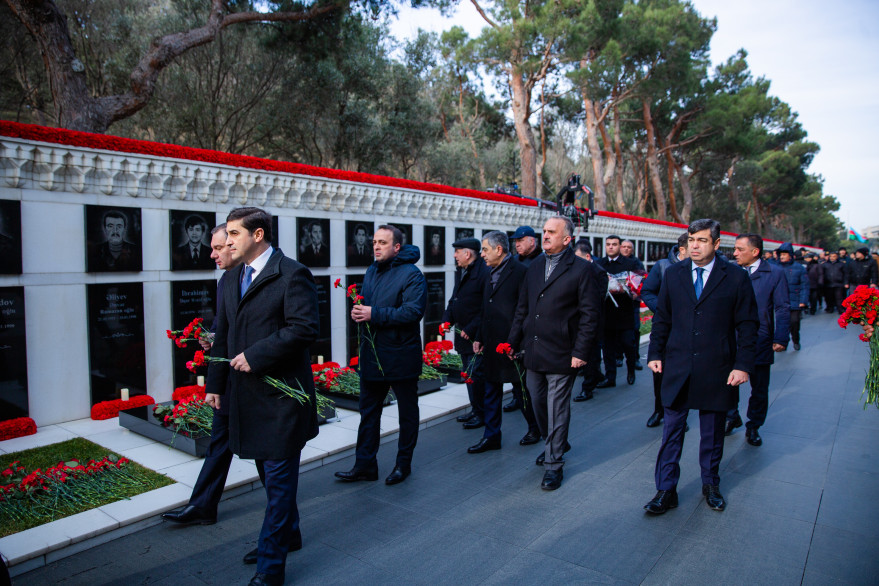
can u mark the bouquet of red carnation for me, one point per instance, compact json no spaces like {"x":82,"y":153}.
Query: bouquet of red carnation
{"x":200,"y":359}
{"x":862,"y":307}
{"x":357,"y":298}
{"x":626,"y":283}
{"x":193,"y":332}
{"x":505,"y":348}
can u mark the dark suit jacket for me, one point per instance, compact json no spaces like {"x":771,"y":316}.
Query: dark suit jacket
{"x":703,"y":341}
{"x":773,"y":308}
{"x":310,"y":258}
{"x":465,"y":304}
{"x":273,"y":324}
{"x":183,"y":258}
{"x":558,"y":318}
{"x":497,"y":308}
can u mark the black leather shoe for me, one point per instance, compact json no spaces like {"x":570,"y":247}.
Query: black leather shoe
{"x":530,"y":438}
{"x":797,"y":346}
{"x":267,"y":580}
{"x":474,"y":423}
{"x":583,"y":396}
{"x":542,"y":457}
{"x":713,"y":497}
{"x":655,"y":419}
{"x":510,"y":407}
{"x":630,"y":377}
{"x":295,"y":545}
{"x":663,"y":501}
{"x":638,"y":365}
{"x":465,"y":417}
{"x":190,"y":515}
{"x":484,"y":445}
{"x":605,"y":384}
{"x":397,"y":475}
{"x":732,"y":424}
{"x":353,"y":475}
{"x":753,"y":437}
{"x":552,"y":479}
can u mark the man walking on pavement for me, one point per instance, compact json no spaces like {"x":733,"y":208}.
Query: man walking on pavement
{"x":798,"y":287}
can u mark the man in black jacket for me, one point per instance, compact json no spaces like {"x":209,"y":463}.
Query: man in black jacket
{"x":268,"y":321}
{"x":499,"y":300}
{"x":591,"y":373}
{"x":834,"y":271}
{"x":618,"y":312}
{"x":861,"y":270}
{"x":525,"y":241}
{"x":463,"y":313}
{"x":395,"y":297}
{"x":556,"y":325}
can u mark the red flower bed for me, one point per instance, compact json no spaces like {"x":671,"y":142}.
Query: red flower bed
{"x":18,"y":427}
{"x":109,"y":409}
{"x":186,"y":393}
{"x":127,"y":145}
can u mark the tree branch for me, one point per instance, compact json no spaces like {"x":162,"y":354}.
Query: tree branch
{"x":485,"y":17}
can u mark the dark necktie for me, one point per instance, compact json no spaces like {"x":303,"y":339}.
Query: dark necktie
{"x":245,"y":282}
{"x":195,"y":256}
{"x":699,"y":284}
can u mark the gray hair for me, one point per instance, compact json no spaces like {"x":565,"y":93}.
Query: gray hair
{"x":216,"y":229}
{"x":569,"y":225}
{"x":497,"y":238}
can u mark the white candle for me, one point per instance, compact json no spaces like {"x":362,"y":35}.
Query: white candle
{"x":200,"y":380}
{"x":124,"y":393}
{"x":320,"y":359}
{"x":439,"y":338}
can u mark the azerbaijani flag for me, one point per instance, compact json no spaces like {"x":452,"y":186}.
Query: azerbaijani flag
{"x":855,"y":235}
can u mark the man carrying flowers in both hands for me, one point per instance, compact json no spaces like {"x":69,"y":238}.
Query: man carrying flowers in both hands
{"x":268,"y":322}
{"x":394,"y":301}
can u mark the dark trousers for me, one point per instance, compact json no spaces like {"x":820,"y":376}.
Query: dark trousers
{"x":522,"y":400}
{"x":614,"y":342}
{"x":758,"y":404}
{"x":472,"y":363}
{"x":796,"y":316}
{"x":493,"y":411}
{"x":551,"y":398}
{"x":814,"y":296}
{"x":372,"y":395}
{"x":592,"y":371}
{"x":211,"y":480}
{"x":281,"y":480}
{"x":711,"y":427}
{"x":833,"y":297}
{"x":657,"y":392}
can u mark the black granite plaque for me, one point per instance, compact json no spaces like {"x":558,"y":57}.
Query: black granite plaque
{"x":189,"y":300}
{"x":113,"y":239}
{"x":461,"y":233}
{"x":191,"y":240}
{"x":406,"y":229}
{"x":358,"y":235}
{"x":116,"y":343}
{"x":434,"y":245}
{"x":323,"y":345}
{"x":313,"y":241}
{"x":13,"y":354}
{"x":10,"y":237}
{"x":352,"y":342}
{"x":436,"y":304}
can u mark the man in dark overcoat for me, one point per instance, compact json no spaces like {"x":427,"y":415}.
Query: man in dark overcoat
{"x":773,"y":307}
{"x":267,"y":323}
{"x":499,"y":300}
{"x":703,"y":341}
{"x":395,"y":298}
{"x":556,"y":325}
{"x":463,"y":311}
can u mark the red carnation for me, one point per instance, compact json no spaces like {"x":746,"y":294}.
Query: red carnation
{"x":338,"y":283}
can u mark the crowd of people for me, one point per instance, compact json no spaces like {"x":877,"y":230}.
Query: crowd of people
{"x":533,"y":313}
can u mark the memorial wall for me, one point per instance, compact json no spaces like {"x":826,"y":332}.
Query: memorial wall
{"x":103,"y":249}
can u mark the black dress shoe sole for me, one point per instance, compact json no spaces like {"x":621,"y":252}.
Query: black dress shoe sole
{"x":481,"y":449}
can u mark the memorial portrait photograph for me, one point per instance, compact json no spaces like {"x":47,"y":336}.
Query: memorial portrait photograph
{"x":113,"y":239}
{"x":461,"y":233}
{"x":434,"y":245}
{"x":314,"y":241}
{"x":406,"y":229}
{"x":191,"y":240}
{"x":358,"y":235}
{"x":10,"y":237}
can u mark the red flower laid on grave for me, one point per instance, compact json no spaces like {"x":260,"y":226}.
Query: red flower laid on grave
{"x":110,"y":409}
{"x":18,"y":427}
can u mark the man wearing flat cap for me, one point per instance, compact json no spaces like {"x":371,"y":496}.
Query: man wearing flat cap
{"x":463,"y":312}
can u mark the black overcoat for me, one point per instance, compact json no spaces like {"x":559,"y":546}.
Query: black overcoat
{"x":703,"y":341}
{"x":498,"y":307}
{"x":273,"y":325}
{"x":558,"y":318}
{"x":465,"y":304}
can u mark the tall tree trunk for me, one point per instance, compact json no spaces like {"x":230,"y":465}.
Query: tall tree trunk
{"x":618,"y":152}
{"x":465,"y":128}
{"x":595,"y":152}
{"x":521,"y":105}
{"x":670,"y":174}
{"x":686,"y":192}
{"x":652,"y":163}
{"x":542,"y":162}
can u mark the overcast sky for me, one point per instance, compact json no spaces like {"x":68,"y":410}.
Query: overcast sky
{"x":822,"y":59}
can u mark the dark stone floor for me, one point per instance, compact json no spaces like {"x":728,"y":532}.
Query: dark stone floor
{"x":800,"y":507}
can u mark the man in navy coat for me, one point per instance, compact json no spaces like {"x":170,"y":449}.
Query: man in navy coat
{"x":773,"y":305}
{"x":268,"y":321}
{"x":703,"y":341}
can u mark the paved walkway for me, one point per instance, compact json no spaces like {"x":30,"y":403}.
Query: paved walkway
{"x":800,"y":508}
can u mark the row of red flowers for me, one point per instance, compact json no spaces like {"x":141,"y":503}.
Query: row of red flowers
{"x":18,"y":427}
{"x":110,"y":409}
{"x":19,"y":480}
